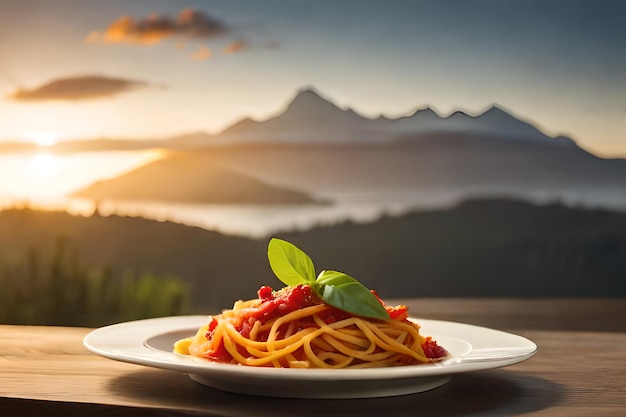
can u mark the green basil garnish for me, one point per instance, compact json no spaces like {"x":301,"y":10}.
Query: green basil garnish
{"x":292,"y":266}
{"x":289,"y":263}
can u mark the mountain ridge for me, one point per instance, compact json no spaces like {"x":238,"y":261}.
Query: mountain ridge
{"x":310,"y":117}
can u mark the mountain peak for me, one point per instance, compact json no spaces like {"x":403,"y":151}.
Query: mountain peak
{"x":424,"y":111}
{"x":494,"y":108}
{"x":309,"y":99}
{"x":495,"y":111}
{"x":309,"y":93}
{"x":308,"y":89}
{"x":458,"y":114}
{"x":309,"y":105}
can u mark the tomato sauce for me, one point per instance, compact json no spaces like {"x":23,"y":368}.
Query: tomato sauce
{"x":432,"y":350}
{"x":279,"y":303}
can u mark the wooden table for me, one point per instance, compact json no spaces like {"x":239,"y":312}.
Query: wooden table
{"x":579,"y":370}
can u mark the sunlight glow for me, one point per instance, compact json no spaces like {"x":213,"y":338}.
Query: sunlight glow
{"x":48,"y":179}
{"x":44,"y":165}
{"x":45,"y":138}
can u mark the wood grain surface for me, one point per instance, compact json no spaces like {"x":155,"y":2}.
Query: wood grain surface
{"x":576,"y":372}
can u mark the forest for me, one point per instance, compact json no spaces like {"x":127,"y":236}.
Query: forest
{"x":87,"y":271}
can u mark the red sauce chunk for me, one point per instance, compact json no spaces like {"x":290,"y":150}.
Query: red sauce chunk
{"x":279,"y":303}
{"x":432,"y":350}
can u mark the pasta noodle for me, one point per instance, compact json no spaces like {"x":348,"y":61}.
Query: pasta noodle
{"x":292,"y":328}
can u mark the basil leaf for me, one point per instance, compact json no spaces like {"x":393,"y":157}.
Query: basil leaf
{"x":346,"y":293}
{"x":290,"y":264}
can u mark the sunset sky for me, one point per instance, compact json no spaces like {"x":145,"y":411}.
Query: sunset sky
{"x":156,"y":68}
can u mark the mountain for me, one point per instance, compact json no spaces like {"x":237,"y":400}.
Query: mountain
{"x":495,"y":121}
{"x":309,"y":118}
{"x":186,"y":178}
{"x":423,"y":120}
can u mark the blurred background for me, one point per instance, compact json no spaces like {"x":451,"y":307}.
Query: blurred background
{"x":150,"y":149}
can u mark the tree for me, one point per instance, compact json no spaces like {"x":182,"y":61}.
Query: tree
{"x":53,"y":287}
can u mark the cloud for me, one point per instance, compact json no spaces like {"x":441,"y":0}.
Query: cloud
{"x":78,"y":88}
{"x":190,"y":23}
{"x":201,"y":53}
{"x":238,"y":45}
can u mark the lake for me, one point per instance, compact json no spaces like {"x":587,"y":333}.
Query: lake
{"x":45,"y":180}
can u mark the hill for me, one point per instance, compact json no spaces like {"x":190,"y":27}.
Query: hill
{"x":479,"y":248}
{"x":185,"y":178}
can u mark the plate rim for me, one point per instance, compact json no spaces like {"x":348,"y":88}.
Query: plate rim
{"x":136,"y":351}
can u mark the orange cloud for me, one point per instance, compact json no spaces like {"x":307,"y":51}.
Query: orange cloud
{"x":189,"y":23}
{"x":93,"y":37}
{"x":78,"y":88}
{"x":236,"y":46}
{"x":201,"y":53}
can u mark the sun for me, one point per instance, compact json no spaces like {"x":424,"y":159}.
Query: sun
{"x":44,"y":165}
{"x":44,"y":138}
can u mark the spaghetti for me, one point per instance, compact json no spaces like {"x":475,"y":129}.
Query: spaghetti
{"x":294,"y":328}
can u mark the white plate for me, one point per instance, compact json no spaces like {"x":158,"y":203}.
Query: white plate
{"x":150,"y":342}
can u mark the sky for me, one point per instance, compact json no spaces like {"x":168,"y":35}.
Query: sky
{"x":157,"y":68}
